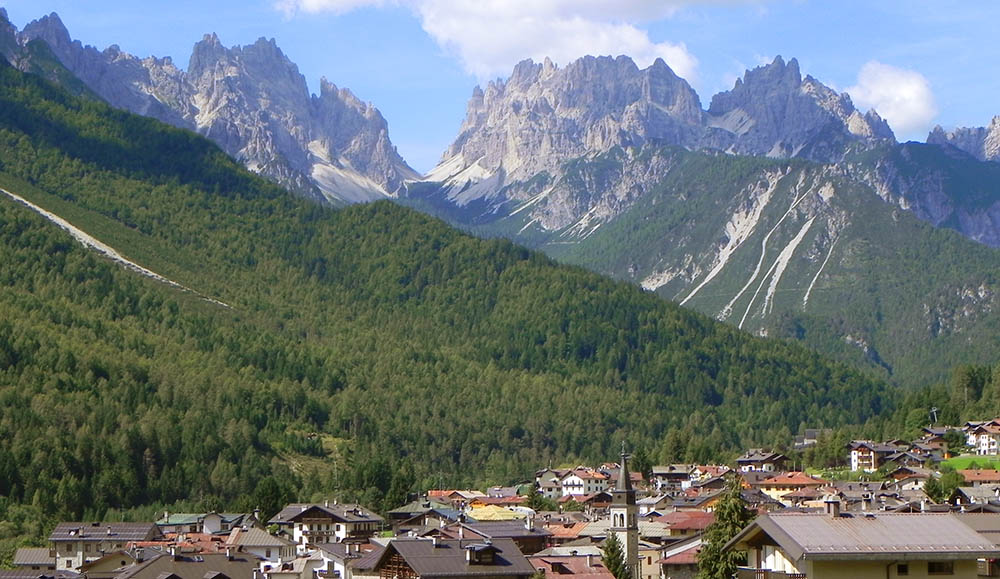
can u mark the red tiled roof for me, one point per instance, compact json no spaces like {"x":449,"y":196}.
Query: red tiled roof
{"x":980,"y":475}
{"x":794,"y":478}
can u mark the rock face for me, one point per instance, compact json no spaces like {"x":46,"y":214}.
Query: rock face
{"x":773,"y":111}
{"x":254,"y":103}
{"x":543,"y":116}
{"x":982,"y":143}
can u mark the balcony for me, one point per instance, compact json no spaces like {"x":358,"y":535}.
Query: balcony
{"x":748,"y":573}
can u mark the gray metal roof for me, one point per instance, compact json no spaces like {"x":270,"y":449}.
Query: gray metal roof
{"x":94,"y":532}
{"x":345,"y":513}
{"x":33,"y":556}
{"x":871,"y":536}
{"x":448,"y":558}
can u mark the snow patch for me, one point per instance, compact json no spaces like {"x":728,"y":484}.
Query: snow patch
{"x":89,"y":241}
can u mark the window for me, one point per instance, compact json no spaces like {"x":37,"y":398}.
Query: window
{"x":940,"y":568}
{"x":267,"y":554}
{"x":902,"y":569}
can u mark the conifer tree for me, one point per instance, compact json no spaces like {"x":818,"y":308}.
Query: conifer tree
{"x":731,"y":516}
{"x":613,"y":557}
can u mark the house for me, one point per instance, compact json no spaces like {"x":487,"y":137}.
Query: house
{"x":273,"y":550}
{"x":980,"y":476}
{"x":984,"y":437}
{"x":868,"y":456}
{"x":548,"y":482}
{"x":982,"y":494}
{"x":34,"y":559}
{"x":584,"y":481}
{"x":758,"y":459}
{"x":556,"y":566}
{"x":203,"y":566}
{"x":778,"y":486}
{"x":832,"y":545}
{"x":310,"y":524}
{"x":707,"y":471}
{"x":672,"y":477}
{"x":452,"y":559}
{"x":422,"y":513}
{"x":683,"y":524}
{"x":209,"y":523}
{"x":528,"y":538}
{"x":653,"y":503}
{"x":680,"y":560}
{"x":73,"y":544}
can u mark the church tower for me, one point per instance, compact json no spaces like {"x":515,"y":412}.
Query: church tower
{"x":624,"y":523}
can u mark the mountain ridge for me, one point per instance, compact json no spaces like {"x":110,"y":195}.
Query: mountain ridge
{"x":253,"y":101}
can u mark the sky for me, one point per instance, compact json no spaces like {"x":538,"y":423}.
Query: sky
{"x":919,"y":63}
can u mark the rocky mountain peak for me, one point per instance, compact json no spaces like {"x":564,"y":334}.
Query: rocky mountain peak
{"x":982,"y":143}
{"x":51,"y":29}
{"x":255,"y":104}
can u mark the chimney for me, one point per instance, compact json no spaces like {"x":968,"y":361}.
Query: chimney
{"x":229,"y":553}
{"x":173,"y":551}
{"x":590,"y":559}
{"x":461,"y":532}
{"x":109,"y":530}
{"x":529,"y":523}
{"x":434,"y":541}
{"x":832,"y":505}
{"x":923,"y":505}
{"x":326,"y":503}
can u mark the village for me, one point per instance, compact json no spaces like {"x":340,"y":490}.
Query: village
{"x":884,"y":520}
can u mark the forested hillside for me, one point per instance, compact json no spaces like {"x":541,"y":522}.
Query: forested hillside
{"x":367,"y":351}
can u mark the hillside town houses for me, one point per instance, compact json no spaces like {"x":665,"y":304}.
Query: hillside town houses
{"x":807,"y":526}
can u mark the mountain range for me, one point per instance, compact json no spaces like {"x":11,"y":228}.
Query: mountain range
{"x":780,"y":208}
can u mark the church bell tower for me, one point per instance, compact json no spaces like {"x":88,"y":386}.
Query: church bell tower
{"x":623,"y":517}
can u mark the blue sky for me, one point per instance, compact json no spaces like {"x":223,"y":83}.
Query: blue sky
{"x":919,"y":63}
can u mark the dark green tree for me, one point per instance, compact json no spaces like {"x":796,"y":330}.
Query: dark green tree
{"x":613,"y":557}
{"x":731,"y":516}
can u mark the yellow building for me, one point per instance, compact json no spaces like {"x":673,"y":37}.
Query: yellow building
{"x":832,"y":545}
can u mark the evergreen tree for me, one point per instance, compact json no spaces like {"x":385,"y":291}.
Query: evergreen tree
{"x":731,"y":516}
{"x":613,"y":557}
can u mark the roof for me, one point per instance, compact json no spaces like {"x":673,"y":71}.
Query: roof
{"x":345,"y":513}
{"x":504,"y":530}
{"x":194,"y":567}
{"x":760,"y":455}
{"x":897,"y":536}
{"x":682,"y":553}
{"x":495,"y":513}
{"x":38,"y":574}
{"x":448,"y":558}
{"x":980,"y":475}
{"x":33,"y":556}
{"x":257,"y":537}
{"x":93,"y":532}
{"x":571,"y":565}
{"x":794,"y":479}
{"x":673,"y":469}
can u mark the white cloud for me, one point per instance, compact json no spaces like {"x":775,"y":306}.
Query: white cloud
{"x":489,"y":36}
{"x":902,"y":97}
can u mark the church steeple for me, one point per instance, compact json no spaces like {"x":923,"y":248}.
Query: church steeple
{"x":623,"y":516}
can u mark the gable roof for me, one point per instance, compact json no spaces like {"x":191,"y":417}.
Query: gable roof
{"x":33,"y":556}
{"x":95,"y":532}
{"x":794,"y":479}
{"x":344,"y":513}
{"x":980,"y":475}
{"x":445,"y":558}
{"x":902,"y":536}
{"x":256,"y":537}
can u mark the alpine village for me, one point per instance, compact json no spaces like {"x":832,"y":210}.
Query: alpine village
{"x":613,"y":334}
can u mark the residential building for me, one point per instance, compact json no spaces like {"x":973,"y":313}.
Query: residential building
{"x":528,"y":537}
{"x":680,"y":560}
{"x":310,"y":524}
{"x":34,"y":559}
{"x":584,"y":481}
{"x":985,"y":438}
{"x":272,"y":550}
{"x":672,"y":477}
{"x":73,"y":544}
{"x":451,"y":559}
{"x":868,"y":456}
{"x":980,"y":476}
{"x":778,"y":486}
{"x":588,"y":566}
{"x":758,"y":459}
{"x":832,"y":545}
{"x":202,"y":566}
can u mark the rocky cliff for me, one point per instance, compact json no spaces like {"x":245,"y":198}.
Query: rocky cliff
{"x":253,"y":102}
{"x":526,"y":128}
{"x":982,"y":143}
